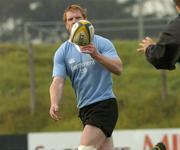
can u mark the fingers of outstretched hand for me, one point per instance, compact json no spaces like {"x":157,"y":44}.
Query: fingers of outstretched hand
{"x":149,"y":41}
{"x":139,"y":50}
{"x":148,"y":38}
{"x":141,"y":47}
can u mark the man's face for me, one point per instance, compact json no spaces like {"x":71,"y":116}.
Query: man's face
{"x":72,"y":17}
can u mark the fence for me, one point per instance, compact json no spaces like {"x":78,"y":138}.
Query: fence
{"x":130,"y":29}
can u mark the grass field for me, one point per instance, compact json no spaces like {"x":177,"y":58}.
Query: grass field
{"x":138,"y":92}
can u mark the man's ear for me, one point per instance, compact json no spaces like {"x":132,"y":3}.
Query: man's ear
{"x":178,"y":8}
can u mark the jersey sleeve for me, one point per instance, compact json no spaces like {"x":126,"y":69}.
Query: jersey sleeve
{"x":109,"y":49}
{"x":106,"y":47}
{"x":59,"y":67}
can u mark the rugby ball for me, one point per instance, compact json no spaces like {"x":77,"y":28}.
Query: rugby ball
{"x":82,"y":33}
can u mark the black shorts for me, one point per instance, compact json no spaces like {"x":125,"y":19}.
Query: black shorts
{"x":103,"y":114}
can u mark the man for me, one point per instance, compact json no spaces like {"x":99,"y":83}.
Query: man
{"x":166,"y":52}
{"x":90,"y":73}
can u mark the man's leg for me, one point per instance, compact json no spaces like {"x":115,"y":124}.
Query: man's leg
{"x":108,"y":144}
{"x":92,"y":136}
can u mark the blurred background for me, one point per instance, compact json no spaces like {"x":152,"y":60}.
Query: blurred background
{"x":30,"y":33}
{"x":124,"y":19}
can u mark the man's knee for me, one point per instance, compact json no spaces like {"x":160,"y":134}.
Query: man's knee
{"x":82,"y":147}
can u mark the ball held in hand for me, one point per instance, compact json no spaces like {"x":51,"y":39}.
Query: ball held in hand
{"x":82,"y":33}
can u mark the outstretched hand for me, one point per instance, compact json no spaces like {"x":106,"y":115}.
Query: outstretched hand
{"x":144,"y":44}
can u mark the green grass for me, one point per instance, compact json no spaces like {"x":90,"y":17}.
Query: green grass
{"x":138,"y":91}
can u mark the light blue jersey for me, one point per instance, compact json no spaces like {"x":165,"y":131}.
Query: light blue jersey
{"x":91,"y":81}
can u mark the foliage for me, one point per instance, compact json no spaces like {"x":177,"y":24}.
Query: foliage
{"x":138,"y":91}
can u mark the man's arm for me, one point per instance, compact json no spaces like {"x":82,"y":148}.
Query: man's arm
{"x":114,"y":65}
{"x":163,"y":54}
{"x":56,"y":92}
{"x":166,"y":52}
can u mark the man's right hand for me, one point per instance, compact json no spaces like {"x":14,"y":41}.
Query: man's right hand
{"x":54,"y":112}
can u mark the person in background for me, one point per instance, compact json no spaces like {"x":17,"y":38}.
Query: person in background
{"x":90,"y":73}
{"x":166,"y":52}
